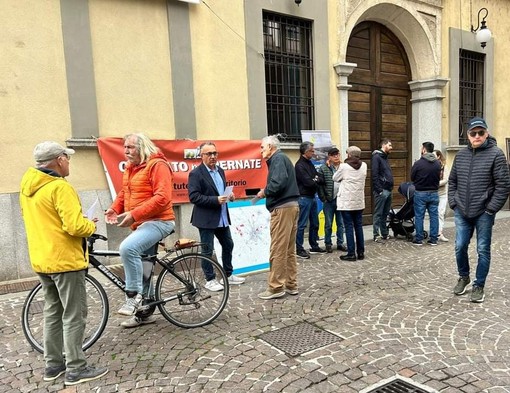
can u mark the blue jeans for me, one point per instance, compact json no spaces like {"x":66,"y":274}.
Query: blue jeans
{"x":330,"y":213}
{"x":133,"y":246}
{"x":465,"y":228}
{"x":307,"y":212}
{"x":227,"y":245}
{"x":424,"y":200}
{"x":354,"y":226}
{"x":381,"y":210}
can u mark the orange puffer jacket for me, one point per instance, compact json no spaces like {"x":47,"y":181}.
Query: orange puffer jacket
{"x":146,"y":191}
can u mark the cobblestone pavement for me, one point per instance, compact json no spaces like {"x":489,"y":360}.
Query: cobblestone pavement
{"x":394,"y":313}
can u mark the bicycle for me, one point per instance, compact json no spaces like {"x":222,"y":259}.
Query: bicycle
{"x":179,"y":293}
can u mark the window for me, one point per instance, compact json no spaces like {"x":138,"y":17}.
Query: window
{"x":288,"y":75}
{"x":471,"y":89}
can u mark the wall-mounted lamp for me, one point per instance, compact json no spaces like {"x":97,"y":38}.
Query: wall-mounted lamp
{"x":483,"y":34}
{"x":297,"y":2}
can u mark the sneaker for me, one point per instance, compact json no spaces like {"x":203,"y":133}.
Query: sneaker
{"x":329,"y":248}
{"x":234,"y":280}
{"x":341,"y":247}
{"x":443,"y":238}
{"x":477,"y":295}
{"x":378,"y":239}
{"x":293,"y":291}
{"x":431,"y":243}
{"x":361,"y":256}
{"x":460,"y":287}
{"x":303,"y":254}
{"x":417,"y":243}
{"x":267,"y":294}
{"x":86,"y":374}
{"x":138,"y":321}
{"x":213,"y":285}
{"x":52,"y":373}
{"x":387,"y":237}
{"x":348,"y":257}
{"x":131,"y":305}
{"x":317,"y":250}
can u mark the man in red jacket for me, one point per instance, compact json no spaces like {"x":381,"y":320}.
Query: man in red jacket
{"x":145,"y":205}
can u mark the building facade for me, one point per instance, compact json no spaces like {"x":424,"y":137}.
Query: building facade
{"x":76,"y":70}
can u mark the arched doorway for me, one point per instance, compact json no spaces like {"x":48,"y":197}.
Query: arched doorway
{"x":380,"y":101}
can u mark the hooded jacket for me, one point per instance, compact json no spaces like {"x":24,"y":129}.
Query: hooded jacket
{"x":479,"y":180}
{"x":54,"y":222}
{"x":352,"y":175}
{"x":146,"y":191}
{"x":382,"y":177}
{"x":426,"y":173}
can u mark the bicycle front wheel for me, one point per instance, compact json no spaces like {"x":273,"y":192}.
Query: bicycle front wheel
{"x":32,"y":319}
{"x":188,"y":303}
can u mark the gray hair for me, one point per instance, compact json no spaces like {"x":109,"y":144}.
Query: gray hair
{"x":144,"y":146}
{"x":272,"y":140}
{"x":304,"y":147}
{"x":209,"y":143}
{"x":354,"y":151}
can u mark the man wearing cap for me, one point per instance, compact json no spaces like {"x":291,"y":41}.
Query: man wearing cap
{"x":327,"y":194}
{"x":56,"y":231}
{"x":478,"y":187}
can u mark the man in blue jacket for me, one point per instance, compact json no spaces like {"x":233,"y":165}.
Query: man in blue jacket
{"x":425,"y":175}
{"x":382,"y":187}
{"x":478,"y":187}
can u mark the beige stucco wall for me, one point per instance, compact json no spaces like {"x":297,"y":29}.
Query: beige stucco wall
{"x":219,"y":70}
{"x":33,"y":89}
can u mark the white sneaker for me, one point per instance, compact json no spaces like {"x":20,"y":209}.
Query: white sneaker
{"x":443,"y":238}
{"x":234,"y":280}
{"x":137,"y":321}
{"x":213,"y":286}
{"x":131,"y":305}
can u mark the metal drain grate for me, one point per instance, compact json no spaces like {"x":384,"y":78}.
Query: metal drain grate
{"x":398,"y":386}
{"x":300,"y":338}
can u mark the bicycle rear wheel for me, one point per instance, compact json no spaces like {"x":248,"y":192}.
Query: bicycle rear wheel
{"x":195,"y":306}
{"x":32,"y":319}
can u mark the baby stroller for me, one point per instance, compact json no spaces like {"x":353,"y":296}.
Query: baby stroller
{"x":401,"y":219}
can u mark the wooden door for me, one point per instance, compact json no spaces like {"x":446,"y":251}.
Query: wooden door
{"x":380,"y":102}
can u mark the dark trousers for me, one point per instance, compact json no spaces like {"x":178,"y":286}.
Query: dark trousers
{"x":227,"y":245}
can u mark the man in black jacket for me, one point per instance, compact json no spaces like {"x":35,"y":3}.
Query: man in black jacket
{"x":282,"y":194}
{"x":308,"y":180}
{"x":478,"y":187}
{"x":382,"y":187}
{"x":425,"y":175}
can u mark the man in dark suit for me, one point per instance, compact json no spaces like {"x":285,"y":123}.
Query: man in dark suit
{"x":206,"y":189}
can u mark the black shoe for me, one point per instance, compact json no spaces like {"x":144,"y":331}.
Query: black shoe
{"x":341,"y":247}
{"x":317,"y":250}
{"x":302,"y":254}
{"x":348,"y":257}
{"x":52,"y":373}
{"x":329,"y":248}
{"x":84,"y":375}
{"x":361,"y":256}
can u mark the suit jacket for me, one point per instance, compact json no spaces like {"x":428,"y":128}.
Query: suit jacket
{"x":203,"y":195}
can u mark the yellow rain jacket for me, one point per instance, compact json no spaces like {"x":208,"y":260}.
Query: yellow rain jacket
{"x":54,"y":222}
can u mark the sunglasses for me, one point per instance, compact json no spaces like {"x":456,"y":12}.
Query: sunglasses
{"x":472,"y":134}
{"x":211,"y":153}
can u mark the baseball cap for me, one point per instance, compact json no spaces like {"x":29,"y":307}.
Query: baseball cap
{"x":48,"y":150}
{"x":333,"y":151}
{"x":476,"y":122}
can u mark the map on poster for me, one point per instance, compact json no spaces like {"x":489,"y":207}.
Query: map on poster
{"x":320,"y":138}
{"x":250,"y":232}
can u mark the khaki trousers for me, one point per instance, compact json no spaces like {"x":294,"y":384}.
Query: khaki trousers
{"x":282,"y":253}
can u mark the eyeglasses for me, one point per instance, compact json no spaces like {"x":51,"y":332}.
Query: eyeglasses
{"x":472,"y":134}
{"x":210,"y":153}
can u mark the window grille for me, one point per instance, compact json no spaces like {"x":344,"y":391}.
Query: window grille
{"x":289,"y":75}
{"x":471,"y":89}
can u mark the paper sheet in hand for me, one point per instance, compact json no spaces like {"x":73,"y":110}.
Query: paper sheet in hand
{"x":92,"y":209}
{"x":228,"y":191}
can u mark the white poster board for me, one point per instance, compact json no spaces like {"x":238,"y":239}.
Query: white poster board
{"x":250,"y":232}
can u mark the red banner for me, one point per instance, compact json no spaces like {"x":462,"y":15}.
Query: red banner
{"x":241,"y":160}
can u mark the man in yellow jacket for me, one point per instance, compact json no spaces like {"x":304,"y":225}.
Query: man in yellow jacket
{"x":56,"y":231}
